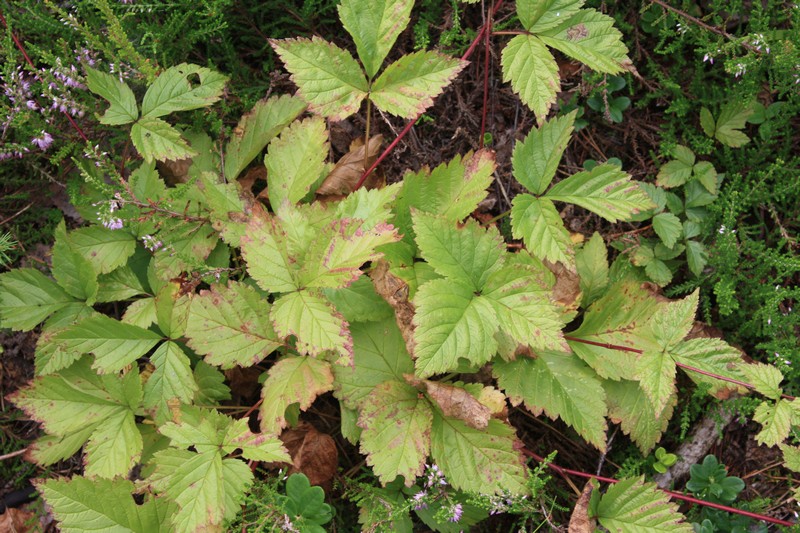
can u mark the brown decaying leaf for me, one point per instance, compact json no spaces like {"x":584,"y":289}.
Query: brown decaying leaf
{"x":17,"y":521}
{"x":350,"y":167}
{"x":249,"y":178}
{"x":567,"y":290}
{"x":454,"y":401}
{"x":580,"y":522}
{"x":313,"y":454}
{"x":395,"y":291}
{"x":244,"y":381}
{"x":175,"y":171}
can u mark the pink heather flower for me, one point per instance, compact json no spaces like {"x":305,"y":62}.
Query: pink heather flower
{"x":44,"y":141}
{"x":113,"y":223}
{"x":418,"y":500}
{"x":151,"y":243}
{"x":456,"y":511}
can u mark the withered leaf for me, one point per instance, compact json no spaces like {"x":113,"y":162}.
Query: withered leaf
{"x":313,"y":454}
{"x":17,"y":521}
{"x":174,"y":171}
{"x":350,"y":167}
{"x":580,"y":522}
{"x":395,"y":291}
{"x":567,"y":290}
{"x":454,"y":401}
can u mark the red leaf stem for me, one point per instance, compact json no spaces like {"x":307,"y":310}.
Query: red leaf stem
{"x":486,"y":41}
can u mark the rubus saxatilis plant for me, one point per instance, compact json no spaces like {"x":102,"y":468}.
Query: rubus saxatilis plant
{"x":393,"y":299}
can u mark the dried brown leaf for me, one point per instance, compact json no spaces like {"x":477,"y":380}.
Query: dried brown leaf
{"x":567,"y":290}
{"x":454,"y":401}
{"x":249,"y":178}
{"x":17,"y":521}
{"x":175,"y":171}
{"x":395,"y":291}
{"x":580,"y":522}
{"x":313,"y":454}
{"x":350,"y":167}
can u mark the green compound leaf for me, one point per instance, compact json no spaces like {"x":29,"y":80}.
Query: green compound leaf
{"x":668,"y":227}
{"x":482,"y":461}
{"x":591,"y":262}
{"x":408,"y":86}
{"x":171,"y":379}
{"x":374,"y":26}
{"x":230,"y":326}
{"x":292,"y":380}
{"x":537,"y":15}
{"x":561,"y":386}
{"x":630,"y":407}
{"x":105,"y":249}
{"x":633,"y":506}
{"x":605,"y":190}
{"x":533,"y":73}
{"x":81,"y":504}
{"x":765,"y":378}
{"x":155,"y":139}
{"x":715,"y":356}
{"x":677,"y":172}
{"x":359,"y":302}
{"x":536,"y":158}
{"x":28,"y":297}
{"x":468,"y":254}
{"x":328,"y":77}
{"x":113,"y":343}
{"x":379,"y":354}
{"x":776,"y":420}
{"x":123,"y":109}
{"x":256,"y":129}
{"x":317,"y":326}
{"x":590,"y":37}
{"x":73,"y":271}
{"x":296,"y":160}
{"x":451,"y":322}
{"x":396,"y":420}
{"x":524,"y":308}
{"x":181,"y":88}
{"x":68,"y":402}
{"x":536,"y":221}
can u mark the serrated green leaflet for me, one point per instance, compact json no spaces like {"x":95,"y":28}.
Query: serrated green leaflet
{"x":113,"y":343}
{"x":408,"y":86}
{"x":536,"y":221}
{"x":396,"y":421}
{"x":535,"y":159}
{"x":80,"y":505}
{"x":732,"y":118}
{"x":561,"y":386}
{"x":537,"y":16}
{"x":121,"y":284}
{"x":171,"y":379}
{"x":49,"y":449}
{"x":655,"y":370}
{"x":668,"y":227}
{"x":328,"y":77}
{"x":155,"y":139}
{"x":254,"y":446}
{"x":776,"y":420}
{"x":633,"y":506}
{"x":296,"y":160}
{"x":266,"y":250}
{"x":257,"y":128}
{"x":369,"y":206}
{"x":114,"y":447}
{"x":715,"y":356}
{"x":123,"y":109}
{"x":292,"y":380}
{"x":359,"y":302}
{"x":314,"y":322}
{"x":591,"y":262}
{"x":483,"y":461}
{"x":451,"y":322}
{"x":468,"y":254}
{"x":630,"y":407}
{"x":172,"y":309}
{"x":379,"y":354}
{"x":192,"y":241}
{"x":590,"y":37}
{"x":765,"y":378}
{"x":230,"y":325}
{"x":374,"y":26}
{"x":181,"y":88}
{"x":605,"y":190}
{"x":533,"y":73}
{"x":28,"y":297}
{"x":105,"y":249}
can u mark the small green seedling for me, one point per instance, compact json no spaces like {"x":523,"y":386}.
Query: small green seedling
{"x":305,"y":505}
{"x":664,"y":460}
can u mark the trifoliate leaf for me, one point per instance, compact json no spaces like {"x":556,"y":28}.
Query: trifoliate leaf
{"x":292,"y":380}
{"x":483,"y":461}
{"x":668,"y":227}
{"x":561,"y":386}
{"x":468,"y":254}
{"x":408,"y":86}
{"x":113,"y":343}
{"x":630,"y":407}
{"x":374,"y":27}
{"x":524,"y":308}
{"x":328,"y":77}
{"x":451,"y":322}
{"x":732,"y":118}
{"x":536,"y":158}
{"x":605,"y":190}
{"x":633,"y":506}
{"x":171,"y":379}
{"x":296,"y":160}
{"x":591,"y":262}
{"x":533,"y":73}
{"x":105,"y":249}
{"x":359,"y":302}
{"x":265,"y":247}
{"x":314,"y":322}
{"x":156,"y":139}
{"x":28,"y":297}
{"x":67,"y":402}
{"x":181,"y":88}
{"x":537,"y":16}
{"x":536,"y":221}
{"x":777,"y":419}
{"x":396,"y":423}
{"x":80,"y":504}
{"x":590,"y":37}
{"x":123,"y":109}
{"x":379,"y":355}
{"x":230,"y":325}
{"x":765,"y":378}
{"x":257,"y":128}
{"x":715,"y":356}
